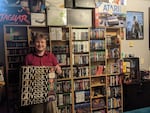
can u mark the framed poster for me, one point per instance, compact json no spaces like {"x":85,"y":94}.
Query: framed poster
{"x":14,"y":15}
{"x":134,"y":25}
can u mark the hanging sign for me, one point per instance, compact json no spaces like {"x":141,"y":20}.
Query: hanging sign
{"x":110,"y":8}
{"x":14,"y":15}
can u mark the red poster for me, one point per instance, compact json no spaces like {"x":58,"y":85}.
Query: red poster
{"x":15,"y":12}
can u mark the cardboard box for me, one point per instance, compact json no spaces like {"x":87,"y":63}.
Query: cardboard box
{"x":38,"y":19}
{"x":79,"y":17}
{"x":56,"y":16}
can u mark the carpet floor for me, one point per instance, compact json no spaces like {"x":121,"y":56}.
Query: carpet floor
{"x":141,"y":110}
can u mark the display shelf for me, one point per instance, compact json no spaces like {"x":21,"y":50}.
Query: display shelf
{"x":64,"y":95}
{"x":60,"y":47}
{"x":97,"y":67}
{"x":80,"y":67}
{"x":113,"y":69}
{"x":90,"y":61}
{"x":15,"y":41}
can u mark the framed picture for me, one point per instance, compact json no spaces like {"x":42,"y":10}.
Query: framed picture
{"x":134,"y":25}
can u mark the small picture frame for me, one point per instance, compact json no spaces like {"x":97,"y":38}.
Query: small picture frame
{"x":134,"y":25}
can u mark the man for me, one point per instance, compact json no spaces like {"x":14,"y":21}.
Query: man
{"x":135,"y":28}
{"x":41,"y":57}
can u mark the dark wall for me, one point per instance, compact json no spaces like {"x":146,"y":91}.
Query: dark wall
{"x":149,"y":28}
{"x":2,"y":54}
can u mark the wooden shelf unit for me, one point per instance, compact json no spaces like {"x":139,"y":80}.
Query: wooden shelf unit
{"x":90,"y":60}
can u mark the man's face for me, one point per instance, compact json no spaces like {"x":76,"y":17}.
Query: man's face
{"x":40,"y":44}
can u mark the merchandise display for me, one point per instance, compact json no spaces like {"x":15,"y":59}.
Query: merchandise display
{"x":89,"y":56}
{"x":90,"y":63}
{"x":100,"y":71}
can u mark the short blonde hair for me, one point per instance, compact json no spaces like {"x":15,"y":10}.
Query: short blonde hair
{"x":39,"y":36}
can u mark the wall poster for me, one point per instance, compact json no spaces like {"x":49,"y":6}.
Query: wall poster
{"x":135,"y":22}
{"x":14,"y":12}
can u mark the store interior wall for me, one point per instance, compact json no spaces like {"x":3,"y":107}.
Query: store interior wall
{"x":140,"y":48}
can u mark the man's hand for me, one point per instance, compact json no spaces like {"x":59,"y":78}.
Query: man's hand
{"x":58,"y":69}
